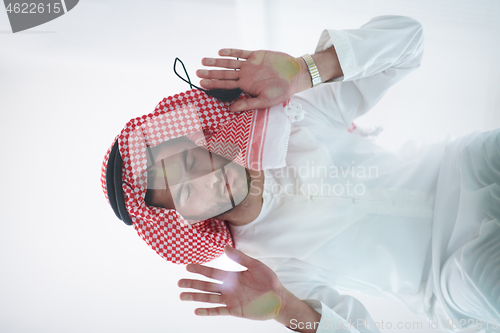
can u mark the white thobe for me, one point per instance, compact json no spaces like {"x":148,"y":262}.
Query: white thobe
{"x":345,"y":214}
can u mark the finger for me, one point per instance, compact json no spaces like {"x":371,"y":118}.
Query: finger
{"x":239,"y":257}
{"x":199,"y":285}
{"x":209,"y":272}
{"x":218,"y":74}
{"x":201,"y":297}
{"x":220,"y":311}
{"x":248,"y":104}
{"x":224,"y":63}
{"x":219,"y":84}
{"x":237,"y":53}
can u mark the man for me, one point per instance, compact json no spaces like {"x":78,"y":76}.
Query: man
{"x":343,"y":213}
{"x":182,"y":157}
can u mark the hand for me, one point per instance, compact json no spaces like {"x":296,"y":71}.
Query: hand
{"x":270,"y":77}
{"x":253,"y":294}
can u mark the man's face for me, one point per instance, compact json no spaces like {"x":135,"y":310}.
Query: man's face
{"x":195,"y":185}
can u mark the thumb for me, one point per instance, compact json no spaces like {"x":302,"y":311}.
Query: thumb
{"x":239,"y":257}
{"x":248,"y":104}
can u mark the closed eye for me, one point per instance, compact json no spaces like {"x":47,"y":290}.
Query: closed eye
{"x":192,"y":161}
{"x":184,"y":158}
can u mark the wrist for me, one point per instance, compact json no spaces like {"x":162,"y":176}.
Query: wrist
{"x":328,"y":64}
{"x":303,"y":81}
{"x":284,"y":312}
{"x":293,"y":310}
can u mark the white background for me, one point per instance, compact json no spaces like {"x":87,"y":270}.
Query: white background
{"x":68,"y":87}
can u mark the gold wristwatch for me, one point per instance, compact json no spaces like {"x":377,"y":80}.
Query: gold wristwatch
{"x":313,"y":70}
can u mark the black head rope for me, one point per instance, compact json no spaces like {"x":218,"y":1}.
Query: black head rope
{"x":224,"y":95}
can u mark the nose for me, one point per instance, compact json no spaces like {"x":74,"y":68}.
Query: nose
{"x":212,"y":179}
{"x":208,"y":180}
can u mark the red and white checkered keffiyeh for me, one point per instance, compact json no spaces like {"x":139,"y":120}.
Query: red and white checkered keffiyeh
{"x":255,"y":139}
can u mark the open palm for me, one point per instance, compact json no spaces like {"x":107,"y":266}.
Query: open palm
{"x":253,"y":294}
{"x":270,"y":77}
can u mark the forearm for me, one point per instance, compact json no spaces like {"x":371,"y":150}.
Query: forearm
{"x":328,"y":66}
{"x":297,"y":315}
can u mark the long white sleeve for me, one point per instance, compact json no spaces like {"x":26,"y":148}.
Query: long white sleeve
{"x":339,"y":313}
{"x":373,"y":58}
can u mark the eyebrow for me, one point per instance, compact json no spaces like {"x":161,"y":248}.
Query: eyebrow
{"x":166,"y":183}
{"x":184,"y":160}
